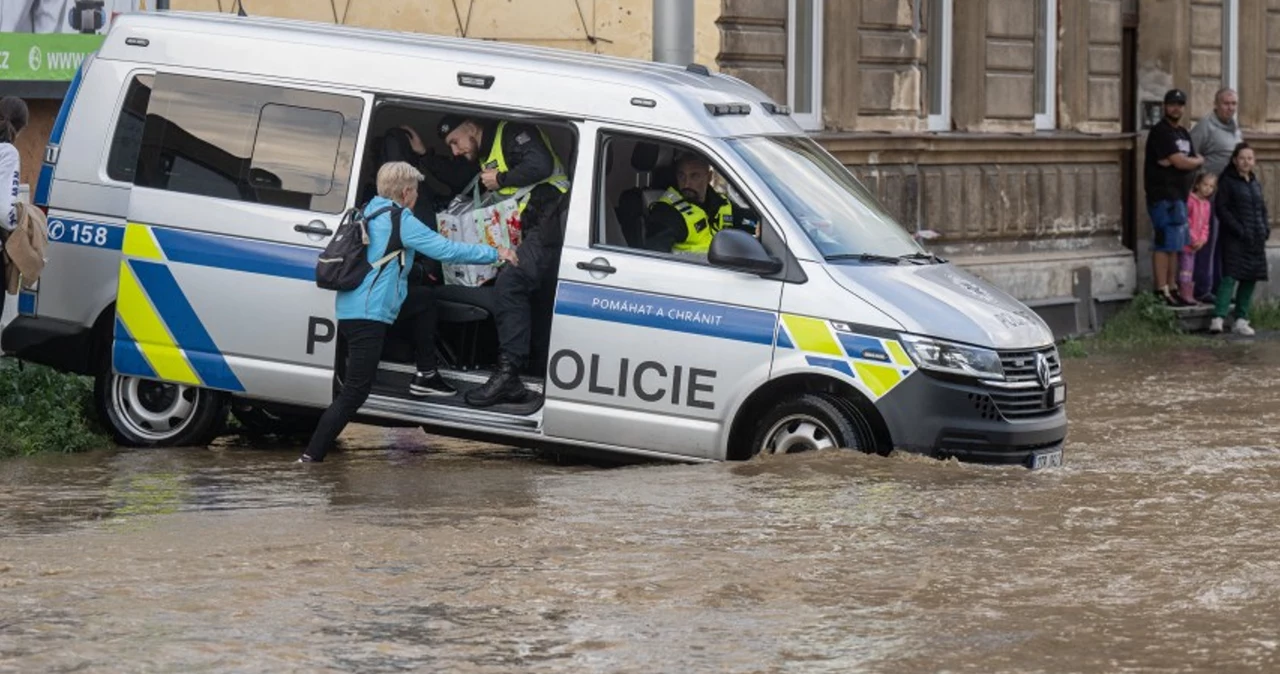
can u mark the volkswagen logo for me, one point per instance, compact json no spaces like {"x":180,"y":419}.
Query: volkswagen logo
{"x":1042,"y":371}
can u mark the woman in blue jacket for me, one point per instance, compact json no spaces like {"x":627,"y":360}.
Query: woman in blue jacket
{"x":365,"y":313}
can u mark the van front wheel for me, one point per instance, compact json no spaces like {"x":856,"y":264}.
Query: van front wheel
{"x":812,"y":422}
{"x":145,"y":413}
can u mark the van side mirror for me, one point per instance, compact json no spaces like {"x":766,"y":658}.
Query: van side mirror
{"x":738,"y":250}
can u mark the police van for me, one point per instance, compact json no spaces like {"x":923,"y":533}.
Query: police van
{"x":201,"y":161}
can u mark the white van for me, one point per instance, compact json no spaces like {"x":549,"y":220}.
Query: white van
{"x":200,"y":161}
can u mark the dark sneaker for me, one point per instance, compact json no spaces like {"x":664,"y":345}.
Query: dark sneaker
{"x":306,"y":459}
{"x":434,"y":385}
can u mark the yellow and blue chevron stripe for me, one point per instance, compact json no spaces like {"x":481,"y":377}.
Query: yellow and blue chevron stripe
{"x":158,"y":334}
{"x":880,"y":363}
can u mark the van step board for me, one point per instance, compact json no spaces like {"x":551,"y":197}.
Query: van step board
{"x":421,"y":413}
{"x":455,"y":376}
{"x":395,"y":384}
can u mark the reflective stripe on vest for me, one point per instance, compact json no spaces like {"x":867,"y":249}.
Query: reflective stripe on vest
{"x":497,"y":160}
{"x":698,"y":231}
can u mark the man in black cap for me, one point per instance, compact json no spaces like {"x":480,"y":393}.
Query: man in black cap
{"x":509,"y":156}
{"x":1171,"y":163}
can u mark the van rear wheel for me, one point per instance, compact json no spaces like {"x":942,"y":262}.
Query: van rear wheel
{"x":146,"y":413}
{"x":812,"y":422}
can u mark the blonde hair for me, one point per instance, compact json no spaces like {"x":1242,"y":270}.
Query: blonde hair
{"x":396,"y":177}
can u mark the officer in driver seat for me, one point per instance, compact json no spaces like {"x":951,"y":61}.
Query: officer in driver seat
{"x":687,"y":216}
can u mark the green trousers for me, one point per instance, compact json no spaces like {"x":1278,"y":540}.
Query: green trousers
{"x":1226,"y":289}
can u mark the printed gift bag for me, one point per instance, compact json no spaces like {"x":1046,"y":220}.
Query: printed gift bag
{"x":493,"y":220}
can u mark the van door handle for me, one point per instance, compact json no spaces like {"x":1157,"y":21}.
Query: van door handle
{"x":315,"y":227}
{"x":598,"y":266}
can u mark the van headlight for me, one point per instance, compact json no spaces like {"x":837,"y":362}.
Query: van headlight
{"x":941,"y":356}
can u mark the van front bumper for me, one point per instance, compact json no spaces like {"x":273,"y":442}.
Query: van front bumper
{"x":944,"y":418}
{"x":61,"y":345}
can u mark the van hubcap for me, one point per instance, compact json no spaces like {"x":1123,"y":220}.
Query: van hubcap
{"x":798,"y":433}
{"x":153,"y":410}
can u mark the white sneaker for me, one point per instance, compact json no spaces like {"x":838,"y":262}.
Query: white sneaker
{"x":1215,"y":326}
{"x":1242,"y":328}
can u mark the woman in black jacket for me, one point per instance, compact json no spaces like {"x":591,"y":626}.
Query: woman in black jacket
{"x":1243,"y":215}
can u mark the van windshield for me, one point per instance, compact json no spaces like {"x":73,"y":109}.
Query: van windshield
{"x":837,"y":212}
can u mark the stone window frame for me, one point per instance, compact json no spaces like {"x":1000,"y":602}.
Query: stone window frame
{"x":940,"y":35}
{"x":810,"y":121}
{"x":1046,"y":70}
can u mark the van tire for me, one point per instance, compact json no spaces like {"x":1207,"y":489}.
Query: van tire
{"x":134,"y":409}
{"x":811,"y":422}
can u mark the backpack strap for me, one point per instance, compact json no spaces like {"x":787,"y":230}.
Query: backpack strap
{"x":395,"y":247}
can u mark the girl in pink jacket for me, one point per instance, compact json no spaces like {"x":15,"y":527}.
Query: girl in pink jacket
{"x":1198,"y":213}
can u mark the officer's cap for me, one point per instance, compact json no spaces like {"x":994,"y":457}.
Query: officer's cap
{"x":449,"y":123}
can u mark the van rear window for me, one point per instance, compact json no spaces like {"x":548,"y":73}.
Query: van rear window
{"x":249,"y":142}
{"x":128,"y":136}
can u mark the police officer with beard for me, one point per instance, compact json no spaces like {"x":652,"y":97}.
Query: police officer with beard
{"x":509,"y":156}
{"x":687,"y":216}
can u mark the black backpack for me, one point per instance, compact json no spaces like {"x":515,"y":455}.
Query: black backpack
{"x":344,"y":264}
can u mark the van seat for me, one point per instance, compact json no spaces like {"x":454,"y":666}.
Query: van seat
{"x":463,"y":304}
{"x":633,"y":203}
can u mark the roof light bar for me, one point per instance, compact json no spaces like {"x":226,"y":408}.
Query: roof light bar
{"x":775,"y":109}
{"x":721,"y":109}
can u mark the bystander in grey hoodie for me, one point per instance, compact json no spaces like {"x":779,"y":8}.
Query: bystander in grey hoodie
{"x":1215,"y":140}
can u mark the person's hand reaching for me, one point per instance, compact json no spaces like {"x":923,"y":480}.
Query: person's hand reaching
{"x":415,"y":141}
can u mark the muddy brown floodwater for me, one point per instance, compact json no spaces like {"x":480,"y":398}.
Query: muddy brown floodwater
{"x":1155,"y":549}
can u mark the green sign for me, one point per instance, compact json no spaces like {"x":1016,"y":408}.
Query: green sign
{"x":52,"y":57}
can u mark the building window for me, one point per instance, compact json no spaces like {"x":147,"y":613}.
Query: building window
{"x":940,"y":57}
{"x":1231,"y":43}
{"x":1046,"y":63}
{"x":804,"y":62}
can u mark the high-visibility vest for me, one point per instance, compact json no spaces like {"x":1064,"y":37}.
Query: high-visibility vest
{"x":699,"y":229}
{"x":497,"y":160}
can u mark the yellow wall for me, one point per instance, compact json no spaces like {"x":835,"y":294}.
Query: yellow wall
{"x":623,"y":27}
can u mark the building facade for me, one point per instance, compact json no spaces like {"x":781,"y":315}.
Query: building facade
{"x":1015,"y":129}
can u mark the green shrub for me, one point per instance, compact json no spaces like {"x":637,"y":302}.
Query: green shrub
{"x":1147,"y":322}
{"x":42,"y":410}
{"x":1265,"y":314}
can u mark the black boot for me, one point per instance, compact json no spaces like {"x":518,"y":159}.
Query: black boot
{"x":503,"y":387}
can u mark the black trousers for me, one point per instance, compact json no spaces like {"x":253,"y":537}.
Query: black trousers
{"x":517,"y":288}
{"x":3,"y":294}
{"x":419,"y":312}
{"x":364,"y":351}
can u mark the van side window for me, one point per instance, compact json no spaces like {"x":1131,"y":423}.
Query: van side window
{"x":664,"y":198}
{"x":127,"y":139}
{"x":250,"y":142}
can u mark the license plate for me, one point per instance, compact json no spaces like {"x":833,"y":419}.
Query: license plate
{"x":1058,"y":395}
{"x":1046,"y":460}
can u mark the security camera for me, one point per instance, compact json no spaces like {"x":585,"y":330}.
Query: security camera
{"x":88,"y":16}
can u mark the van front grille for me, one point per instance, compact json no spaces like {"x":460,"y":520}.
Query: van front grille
{"x":1021,"y":365}
{"x":1020,"y":395}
